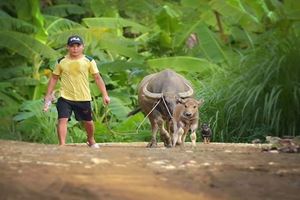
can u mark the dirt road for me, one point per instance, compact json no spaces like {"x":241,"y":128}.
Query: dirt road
{"x":131,"y":171}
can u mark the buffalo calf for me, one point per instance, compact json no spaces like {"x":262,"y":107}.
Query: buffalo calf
{"x":185,"y":119}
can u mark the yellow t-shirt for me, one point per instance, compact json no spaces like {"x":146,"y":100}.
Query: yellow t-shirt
{"x":74,"y":77}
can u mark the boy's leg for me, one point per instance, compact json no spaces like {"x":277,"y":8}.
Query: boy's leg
{"x":83,"y":112}
{"x":64,"y":112}
{"x":62,"y":130}
{"x":89,"y":127}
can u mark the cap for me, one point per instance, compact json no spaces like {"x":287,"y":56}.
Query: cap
{"x":75,"y":39}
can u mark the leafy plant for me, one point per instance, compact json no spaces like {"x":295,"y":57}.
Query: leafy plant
{"x":34,"y":124}
{"x":240,"y":56}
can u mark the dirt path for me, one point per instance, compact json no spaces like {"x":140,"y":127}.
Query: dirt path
{"x":131,"y":171}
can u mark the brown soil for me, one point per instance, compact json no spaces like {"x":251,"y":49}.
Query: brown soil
{"x":131,"y":171}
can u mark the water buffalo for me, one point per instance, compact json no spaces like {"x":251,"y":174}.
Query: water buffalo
{"x":157,"y":94}
{"x":185,"y":119}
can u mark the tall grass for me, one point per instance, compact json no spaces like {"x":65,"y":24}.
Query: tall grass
{"x":34,"y":125}
{"x":262,"y":95}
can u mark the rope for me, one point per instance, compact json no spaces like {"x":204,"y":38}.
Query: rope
{"x":137,"y":130}
{"x":167,"y":108}
{"x":106,"y":121}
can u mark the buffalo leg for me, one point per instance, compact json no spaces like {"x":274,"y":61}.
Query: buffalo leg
{"x":166,"y":138}
{"x":193,"y":135}
{"x":164,"y":134}
{"x":183,"y":137}
{"x":153,"y":142}
{"x":177,"y":136}
{"x":193,"y":138}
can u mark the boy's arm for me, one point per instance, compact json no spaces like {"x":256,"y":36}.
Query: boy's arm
{"x":100,"y":83}
{"x":51,"y":85}
{"x":49,"y":95}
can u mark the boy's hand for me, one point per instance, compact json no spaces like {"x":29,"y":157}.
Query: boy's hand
{"x":47,"y":102}
{"x":106,"y":100}
{"x":47,"y":105}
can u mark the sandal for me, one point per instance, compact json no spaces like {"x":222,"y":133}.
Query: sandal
{"x":94,"y":146}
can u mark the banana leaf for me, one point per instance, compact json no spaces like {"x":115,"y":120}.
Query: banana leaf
{"x":60,"y":25}
{"x":236,"y":12}
{"x":209,"y":45}
{"x":118,"y":109}
{"x":114,"y":23}
{"x":182,"y":63}
{"x":25,"y":45}
{"x":64,"y":10}
{"x":13,"y":24}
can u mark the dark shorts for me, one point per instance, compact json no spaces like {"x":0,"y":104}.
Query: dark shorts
{"x":81,"y":109}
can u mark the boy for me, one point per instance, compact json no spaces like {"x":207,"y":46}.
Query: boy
{"x":73,"y":71}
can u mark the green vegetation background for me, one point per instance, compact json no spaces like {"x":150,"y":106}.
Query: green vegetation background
{"x":242,"y":57}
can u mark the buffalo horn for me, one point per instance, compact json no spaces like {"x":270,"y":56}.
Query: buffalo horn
{"x":150,"y":94}
{"x":187,"y":93}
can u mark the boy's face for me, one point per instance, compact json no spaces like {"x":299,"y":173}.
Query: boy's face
{"x":75,"y":50}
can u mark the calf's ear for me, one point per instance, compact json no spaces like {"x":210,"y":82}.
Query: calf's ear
{"x":200,"y":102}
{"x":179,"y":100}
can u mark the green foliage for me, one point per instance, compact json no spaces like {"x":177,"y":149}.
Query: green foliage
{"x":114,"y":23}
{"x":25,"y":45}
{"x":56,"y":25}
{"x":29,"y":11}
{"x":126,"y":130}
{"x":168,"y":19}
{"x":34,"y":124}
{"x":243,"y":62}
{"x":210,"y":46}
{"x":64,"y":10}
{"x":239,"y":14}
{"x":13,"y":24}
{"x":263,"y":90}
{"x":182,"y":63}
